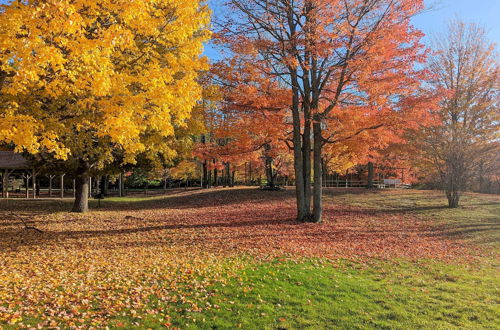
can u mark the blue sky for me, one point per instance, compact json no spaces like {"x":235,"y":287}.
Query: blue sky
{"x":484,"y":12}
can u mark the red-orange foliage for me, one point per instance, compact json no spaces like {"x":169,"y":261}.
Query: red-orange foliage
{"x":351,"y":70}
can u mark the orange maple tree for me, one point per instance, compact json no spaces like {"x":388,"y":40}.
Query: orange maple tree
{"x":350,"y":67}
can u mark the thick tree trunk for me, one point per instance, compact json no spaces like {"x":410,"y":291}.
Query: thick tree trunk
{"x":81,"y":204}
{"x":104,"y":185}
{"x":306,"y":155}
{"x":453,"y":191}
{"x":481,"y":178}
{"x":453,"y":198}
{"x":371,"y":173}
{"x":269,"y":167}
{"x":205,"y":181}
{"x":318,"y":175}
{"x":302,"y":214}
{"x":455,"y":179}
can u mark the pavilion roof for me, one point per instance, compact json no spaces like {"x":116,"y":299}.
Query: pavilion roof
{"x":10,"y":160}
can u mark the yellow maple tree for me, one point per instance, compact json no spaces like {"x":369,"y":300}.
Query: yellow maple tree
{"x":89,"y":80}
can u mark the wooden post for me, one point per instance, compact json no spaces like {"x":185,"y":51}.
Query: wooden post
{"x":50,"y":176}
{"x":5,"y":185}
{"x":33,"y":182}
{"x":62,"y":185}
{"x":27,"y":176}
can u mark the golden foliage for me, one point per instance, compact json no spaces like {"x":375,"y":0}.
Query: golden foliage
{"x":82,"y":78}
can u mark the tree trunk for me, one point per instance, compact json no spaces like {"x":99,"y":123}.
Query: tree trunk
{"x":246,"y":178}
{"x":452,"y":192}
{"x":81,"y":204}
{"x":269,"y":166}
{"x":216,"y":184}
{"x":371,"y":173}
{"x":225,"y":175}
{"x":306,"y":154}
{"x":204,"y":178}
{"x":481,"y":178}
{"x":453,"y":198}
{"x":250,"y":174}
{"x":105,"y":185}
{"x":297,"y":151}
{"x":38,"y":185}
{"x":120,"y":185}
{"x":318,"y":175}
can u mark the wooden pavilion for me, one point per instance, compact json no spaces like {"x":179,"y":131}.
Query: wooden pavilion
{"x":9,"y":163}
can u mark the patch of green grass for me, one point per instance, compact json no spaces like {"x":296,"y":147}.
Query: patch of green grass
{"x":316,"y":294}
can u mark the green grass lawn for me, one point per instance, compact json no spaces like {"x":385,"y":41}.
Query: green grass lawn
{"x":255,"y":291}
{"x":318,"y":295}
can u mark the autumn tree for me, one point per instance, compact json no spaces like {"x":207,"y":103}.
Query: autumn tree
{"x":336,"y":57}
{"x":93,"y":82}
{"x":466,"y":66}
{"x":252,"y":118}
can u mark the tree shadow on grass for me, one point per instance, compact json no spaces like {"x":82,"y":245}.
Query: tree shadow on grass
{"x":479,"y":232}
{"x":210,"y":198}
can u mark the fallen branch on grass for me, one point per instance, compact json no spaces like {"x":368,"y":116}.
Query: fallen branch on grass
{"x":26,"y":226}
